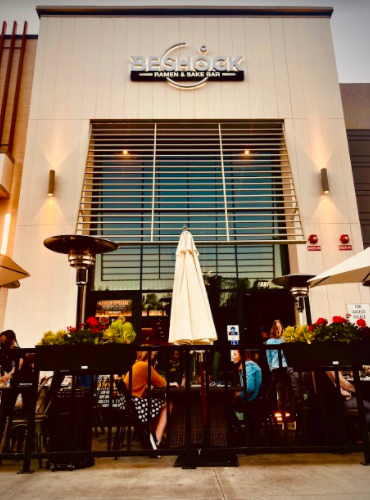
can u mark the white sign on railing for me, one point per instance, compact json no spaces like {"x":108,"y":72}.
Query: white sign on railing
{"x":358,"y":311}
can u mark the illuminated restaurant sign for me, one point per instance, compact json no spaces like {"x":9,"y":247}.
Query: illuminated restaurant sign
{"x":186,"y":72}
{"x":114,"y":308}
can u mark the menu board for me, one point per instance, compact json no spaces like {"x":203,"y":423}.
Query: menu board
{"x":114,"y":308}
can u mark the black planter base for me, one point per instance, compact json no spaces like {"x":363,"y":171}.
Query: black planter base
{"x":70,"y":463}
{"x":328,"y":353}
{"x":202,"y":458}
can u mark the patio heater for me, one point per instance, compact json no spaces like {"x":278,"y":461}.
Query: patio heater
{"x":81,"y":251}
{"x":298,"y":288}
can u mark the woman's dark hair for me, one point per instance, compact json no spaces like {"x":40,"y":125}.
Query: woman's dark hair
{"x":10,"y":335}
{"x":247,"y":355}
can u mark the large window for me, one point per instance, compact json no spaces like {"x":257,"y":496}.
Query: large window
{"x":230,"y":183}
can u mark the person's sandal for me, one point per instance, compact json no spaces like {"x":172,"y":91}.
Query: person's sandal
{"x":154,"y":443}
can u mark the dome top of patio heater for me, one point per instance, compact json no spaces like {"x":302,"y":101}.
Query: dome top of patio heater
{"x":298,"y":280}
{"x":79,"y":243}
{"x":81,"y":252}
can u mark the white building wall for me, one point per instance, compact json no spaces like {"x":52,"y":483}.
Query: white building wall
{"x":82,"y":73}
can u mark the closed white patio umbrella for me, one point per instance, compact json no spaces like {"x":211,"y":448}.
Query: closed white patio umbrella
{"x":356,"y":269}
{"x":191,"y":317}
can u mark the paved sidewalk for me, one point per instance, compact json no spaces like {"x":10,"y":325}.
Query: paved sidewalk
{"x":263,"y":477}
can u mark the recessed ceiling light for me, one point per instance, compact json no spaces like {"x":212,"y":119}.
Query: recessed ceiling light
{"x":246,"y":152}
{"x":125,"y":152}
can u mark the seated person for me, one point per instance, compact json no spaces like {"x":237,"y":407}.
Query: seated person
{"x":140,"y":399}
{"x":175,"y":368}
{"x":349,"y":400}
{"x":252,"y":374}
{"x":8,"y":340}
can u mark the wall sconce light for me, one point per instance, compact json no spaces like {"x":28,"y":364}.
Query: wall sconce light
{"x":313,"y":239}
{"x":325,"y":180}
{"x":6,"y":230}
{"x":344,"y":238}
{"x":51,"y":184}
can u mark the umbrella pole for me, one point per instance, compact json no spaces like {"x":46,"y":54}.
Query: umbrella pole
{"x":204,"y":406}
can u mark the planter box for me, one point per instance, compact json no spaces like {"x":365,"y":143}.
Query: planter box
{"x":327,"y":353}
{"x":117,"y":358}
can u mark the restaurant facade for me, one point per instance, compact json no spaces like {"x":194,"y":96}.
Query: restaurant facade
{"x":143,"y":121}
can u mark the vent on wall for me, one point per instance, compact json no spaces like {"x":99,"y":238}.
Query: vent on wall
{"x":228,"y":182}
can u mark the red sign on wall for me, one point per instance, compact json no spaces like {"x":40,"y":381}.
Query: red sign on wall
{"x":345,"y":247}
{"x":314,"y":248}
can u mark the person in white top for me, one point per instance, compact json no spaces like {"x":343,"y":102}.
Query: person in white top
{"x":349,"y":399}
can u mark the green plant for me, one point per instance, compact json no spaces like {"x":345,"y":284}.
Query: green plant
{"x":58,"y":338}
{"x":299,"y":334}
{"x":120,"y":331}
{"x":91,"y":332}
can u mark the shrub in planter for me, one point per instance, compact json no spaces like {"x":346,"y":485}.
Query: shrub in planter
{"x":120,"y":331}
{"x":91,"y":332}
{"x":323,"y":344}
{"x":340,"y":329}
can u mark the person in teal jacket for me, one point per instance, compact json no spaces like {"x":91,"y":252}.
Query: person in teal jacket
{"x":253,"y":375}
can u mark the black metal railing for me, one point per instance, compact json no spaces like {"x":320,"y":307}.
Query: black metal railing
{"x":299,"y":407}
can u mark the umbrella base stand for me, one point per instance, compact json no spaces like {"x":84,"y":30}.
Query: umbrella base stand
{"x":191,"y":459}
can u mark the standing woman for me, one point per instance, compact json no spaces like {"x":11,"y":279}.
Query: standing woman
{"x":140,"y":399}
{"x":279,"y":373}
{"x":8,"y":340}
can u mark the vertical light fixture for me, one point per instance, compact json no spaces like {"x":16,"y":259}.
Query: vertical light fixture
{"x":325,"y":180}
{"x":51,"y":183}
{"x":6,"y":230}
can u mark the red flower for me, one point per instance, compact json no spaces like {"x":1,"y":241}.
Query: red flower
{"x":361,"y":323}
{"x":339,"y":319}
{"x":321,"y":321}
{"x":92,"y":321}
{"x":95,"y":330}
{"x":311,"y":328}
{"x":71,"y":329}
{"x":102,"y":327}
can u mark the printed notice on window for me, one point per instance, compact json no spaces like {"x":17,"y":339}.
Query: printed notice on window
{"x":233,"y":332}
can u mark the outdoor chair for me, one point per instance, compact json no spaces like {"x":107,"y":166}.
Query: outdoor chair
{"x":17,"y":426}
{"x":259,"y":414}
{"x":337,"y":422}
{"x":97,"y":413}
{"x":98,"y":420}
{"x":127,"y":419}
